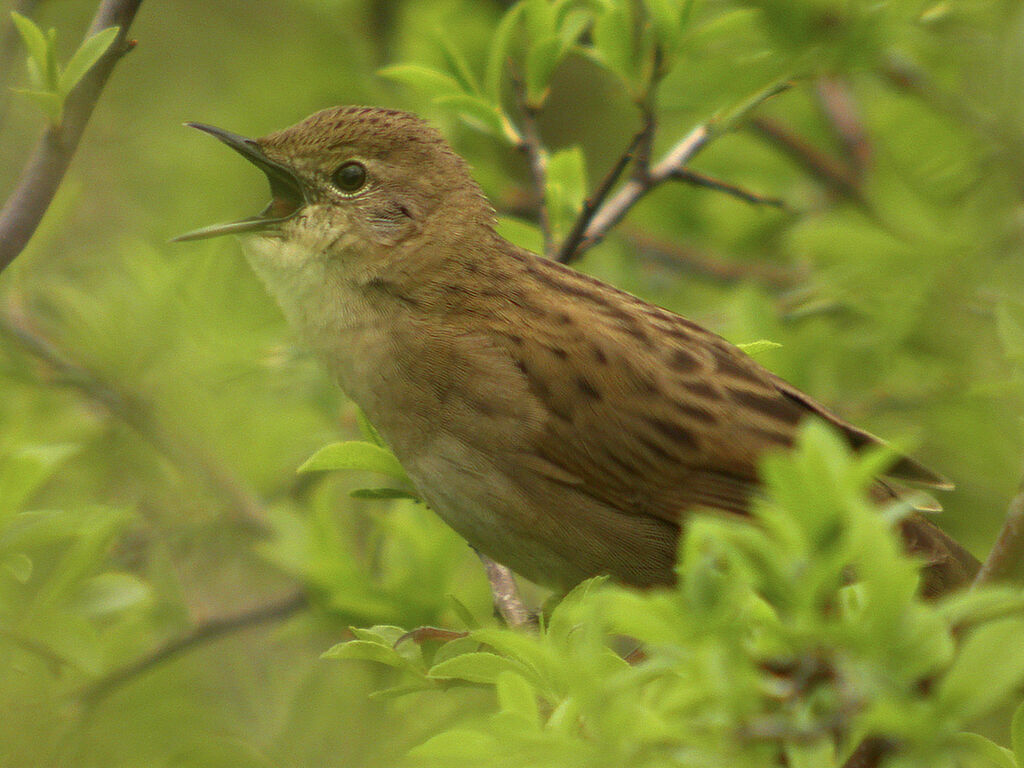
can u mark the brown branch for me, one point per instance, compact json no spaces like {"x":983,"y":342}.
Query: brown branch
{"x":570,"y":247}
{"x":831,"y":172}
{"x":619,"y":204}
{"x":716,"y":269}
{"x":1006,"y":560}
{"x":507,"y":600}
{"x":140,"y":416}
{"x":675,"y":160}
{"x":48,"y":162}
{"x":203,"y":632}
{"x":840,"y":108}
{"x":702,"y":180}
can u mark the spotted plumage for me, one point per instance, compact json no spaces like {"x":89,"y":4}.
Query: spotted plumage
{"x":564,"y":427}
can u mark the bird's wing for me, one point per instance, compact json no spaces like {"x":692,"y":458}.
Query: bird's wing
{"x":653,"y":414}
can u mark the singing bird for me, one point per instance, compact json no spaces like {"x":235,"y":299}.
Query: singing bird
{"x":563,"y":427}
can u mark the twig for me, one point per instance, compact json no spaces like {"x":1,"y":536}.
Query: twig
{"x":833,"y":173}
{"x":140,"y":416}
{"x":617,"y":206}
{"x":507,"y":600}
{"x":840,"y":108}
{"x":717,"y":269}
{"x":46,"y":166}
{"x":204,"y":632}
{"x":569,"y":249}
{"x":530,"y":144}
{"x":1006,"y":560}
{"x":702,"y":180}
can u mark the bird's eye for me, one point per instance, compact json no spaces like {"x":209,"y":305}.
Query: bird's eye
{"x":349,"y":177}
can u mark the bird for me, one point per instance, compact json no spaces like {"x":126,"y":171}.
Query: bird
{"x":563,"y":427}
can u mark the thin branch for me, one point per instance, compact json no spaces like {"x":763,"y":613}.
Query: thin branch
{"x":569,"y":248}
{"x":708,"y":266}
{"x":201,"y":633}
{"x":507,"y":600}
{"x":140,"y":416}
{"x":48,"y":162}
{"x":619,"y":204}
{"x":840,"y":108}
{"x":702,"y":180}
{"x":1006,"y":560}
{"x":530,"y":144}
{"x":834,"y":174}
{"x":674,"y":161}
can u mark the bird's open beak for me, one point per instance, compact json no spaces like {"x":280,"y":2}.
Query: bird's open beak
{"x":287,"y":195}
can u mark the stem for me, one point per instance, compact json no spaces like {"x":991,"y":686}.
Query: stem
{"x":48,"y":162}
{"x":1006,"y":560}
{"x":204,"y":632}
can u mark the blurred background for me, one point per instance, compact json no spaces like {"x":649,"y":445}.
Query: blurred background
{"x":168,"y":581}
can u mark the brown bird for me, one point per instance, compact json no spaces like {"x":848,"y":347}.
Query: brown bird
{"x":563,"y":427}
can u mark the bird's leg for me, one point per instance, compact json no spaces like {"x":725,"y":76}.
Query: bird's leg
{"x":508,"y":603}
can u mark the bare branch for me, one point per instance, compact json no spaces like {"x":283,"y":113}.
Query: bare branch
{"x":1006,"y":560}
{"x":617,"y":206}
{"x":201,"y":633}
{"x":244,"y":507}
{"x":569,"y":248}
{"x":702,"y":180}
{"x":49,"y":161}
{"x":831,"y":172}
{"x":708,"y":266}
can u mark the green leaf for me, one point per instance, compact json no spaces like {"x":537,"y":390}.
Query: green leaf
{"x":109,"y":593}
{"x":475,"y":111}
{"x":19,"y":565}
{"x":613,"y":40}
{"x":355,"y":455}
{"x":993,"y":755}
{"x":367,"y":430}
{"x":382,"y":493}
{"x":754,"y":348}
{"x":476,"y":667}
{"x":369,"y":651}
{"x":541,"y":60}
{"x":456,"y":62}
{"x":540,"y":18}
{"x":34,"y":40}
{"x":1017,"y":733}
{"x":23,"y":471}
{"x":517,"y":696}
{"x":51,"y":104}
{"x":1010,"y":325}
{"x":565,"y":188}
{"x":501,"y":44}
{"x":431,"y":81}
{"x":969,"y":689}
{"x":82,"y":60}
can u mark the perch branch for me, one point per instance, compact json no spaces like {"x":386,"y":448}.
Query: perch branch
{"x":201,"y":633}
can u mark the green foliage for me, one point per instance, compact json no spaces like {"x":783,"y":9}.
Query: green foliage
{"x":757,"y":655}
{"x":148,"y":488}
{"x":52,"y":83}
